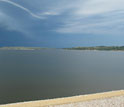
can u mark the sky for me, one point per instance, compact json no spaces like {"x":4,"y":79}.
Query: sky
{"x":61,"y":23}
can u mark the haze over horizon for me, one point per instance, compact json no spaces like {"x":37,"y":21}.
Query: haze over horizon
{"x":58,"y":24}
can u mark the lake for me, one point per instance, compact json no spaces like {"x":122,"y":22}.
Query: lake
{"x":51,"y":73}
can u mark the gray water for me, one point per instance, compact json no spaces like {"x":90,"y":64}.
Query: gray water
{"x":45,"y":74}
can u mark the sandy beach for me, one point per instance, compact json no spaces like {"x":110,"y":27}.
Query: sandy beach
{"x":106,"y":99}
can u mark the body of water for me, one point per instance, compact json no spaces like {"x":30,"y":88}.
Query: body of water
{"x":45,"y":74}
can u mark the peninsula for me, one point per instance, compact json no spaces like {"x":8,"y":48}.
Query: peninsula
{"x":107,"y":48}
{"x":21,"y":48}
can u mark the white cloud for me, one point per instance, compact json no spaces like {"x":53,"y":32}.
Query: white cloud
{"x":99,"y":6}
{"x":50,"y":13}
{"x":11,"y":22}
{"x":23,"y":8}
{"x":77,"y":16}
{"x":95,"y":17}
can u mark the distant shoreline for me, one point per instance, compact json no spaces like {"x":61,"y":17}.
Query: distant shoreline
{"x":21,"y":48}
{"x":98,"y":48}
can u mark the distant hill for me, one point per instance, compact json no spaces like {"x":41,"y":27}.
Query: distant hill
{"x":97,"y":48}
{"x":21,"y":48}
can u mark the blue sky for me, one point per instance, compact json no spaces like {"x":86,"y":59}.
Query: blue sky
{"x":61,"y":23}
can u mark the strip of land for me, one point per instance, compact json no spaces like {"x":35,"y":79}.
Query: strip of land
{"x":21,"y":48}
{"x":107,"y":48}
{"x":100,"y":48}
{"x":107,"y":99}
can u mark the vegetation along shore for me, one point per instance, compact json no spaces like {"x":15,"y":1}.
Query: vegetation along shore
{"x":107,"y":48}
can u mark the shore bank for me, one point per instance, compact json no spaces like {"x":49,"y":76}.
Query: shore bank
{"x":108,"y":99}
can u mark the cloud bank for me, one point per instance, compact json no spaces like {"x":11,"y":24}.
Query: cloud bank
{"x":95,"y":17}
{"x":71,"y":16}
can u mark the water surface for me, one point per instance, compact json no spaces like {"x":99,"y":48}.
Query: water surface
{"x":44,"y":74}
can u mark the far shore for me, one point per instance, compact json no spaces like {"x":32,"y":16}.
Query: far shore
{"x":97,"y":48}
{"x":22,"y":48}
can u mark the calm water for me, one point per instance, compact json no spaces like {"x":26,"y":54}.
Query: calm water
{"x":36,"y":75}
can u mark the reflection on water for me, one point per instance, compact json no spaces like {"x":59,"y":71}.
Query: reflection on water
{"x":36,"y":75}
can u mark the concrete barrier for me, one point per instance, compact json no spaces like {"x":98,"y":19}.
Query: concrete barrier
{"x":67,"y":100}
